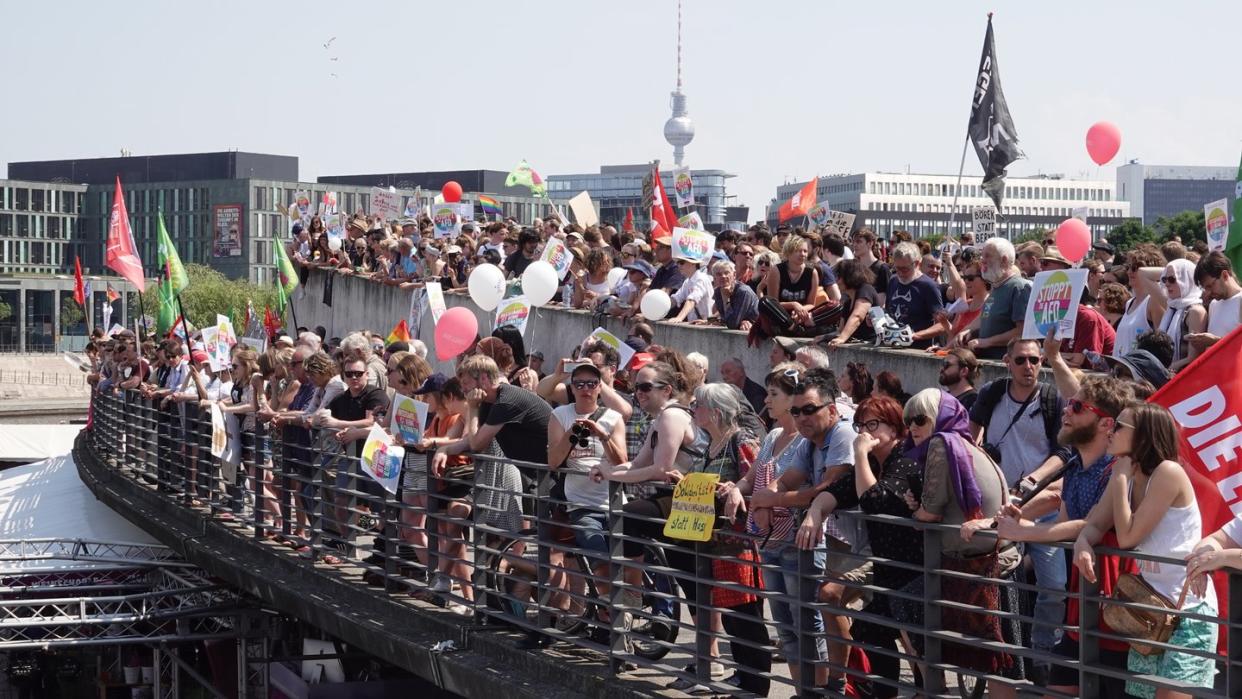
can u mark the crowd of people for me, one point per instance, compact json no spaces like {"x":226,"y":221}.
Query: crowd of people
{"x":1080,"y":458}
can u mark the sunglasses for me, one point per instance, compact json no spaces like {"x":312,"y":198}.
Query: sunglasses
{"x":1078,"y":407}
{"x":589,"y":383}
{"x":868,"y":425}
{"x":354,"y":374}
{"x":1168,"y":280}
{"x":971,"y":277}
{"x":806,"y":410}
{"x":917,"y":420}
{"x":646,"y":386}
{"x":1033,"y":361}
{"x":1118,"y":425}
{"x":748,"y":253}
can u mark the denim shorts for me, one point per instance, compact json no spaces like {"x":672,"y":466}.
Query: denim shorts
{"x":1191,"y":634}
{"x":785,"y":582}
{"x":590,"y":530}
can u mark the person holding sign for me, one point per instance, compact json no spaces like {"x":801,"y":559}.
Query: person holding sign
{"x":695,"y":295}
{"x":793,"y":282}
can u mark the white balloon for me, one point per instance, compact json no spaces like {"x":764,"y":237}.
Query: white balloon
{"x":334,"y":243}
{"x":615,"y":275}
{"x":487,"y":286}
{"x":656,"y":304}
{"x":539,"y":282}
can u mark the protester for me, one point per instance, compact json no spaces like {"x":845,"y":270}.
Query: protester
{"x":733,"y":372}
{"x":734,"y":303}
{"x":912,"y":298}
{"x":1185,"y":314}
{"x":858,"y":296}
{"x":1005,"y":309}
{"x":863,"y":245}
{"x":1214,"y":274}
{"x":792,"y":283}
{"x":958,"y":374}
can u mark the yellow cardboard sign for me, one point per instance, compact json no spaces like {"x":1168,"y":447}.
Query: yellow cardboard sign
{"x":693,"y":514}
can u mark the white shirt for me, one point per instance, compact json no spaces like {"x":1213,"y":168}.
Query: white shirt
{"x":1223,"y":316}
{"x":699,"y":289}
{"x":580,"y":490}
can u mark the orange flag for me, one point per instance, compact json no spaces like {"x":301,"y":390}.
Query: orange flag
{"x":400,"y":333}
{"x":801,"y":203}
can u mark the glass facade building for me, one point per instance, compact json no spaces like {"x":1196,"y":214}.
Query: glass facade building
{"x":616,"y":188}
{"x":1167,"y":190}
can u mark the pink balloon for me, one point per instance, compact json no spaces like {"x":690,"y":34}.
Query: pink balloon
{"x":1073,"y":239}
{"x":1103,"y":141}
{"x":455,"y":332}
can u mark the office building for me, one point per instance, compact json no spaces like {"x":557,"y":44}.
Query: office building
{"x":514,"y":201}
{"x":616,"y":188}
{"x":923,"y":204}
{"x":1167,"y":190}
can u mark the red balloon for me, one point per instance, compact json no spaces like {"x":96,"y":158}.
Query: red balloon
{"x":1103,"y":141}
{"x":451,"y":192}
{"x":455,"y":332}
{"x":1073,"y":239}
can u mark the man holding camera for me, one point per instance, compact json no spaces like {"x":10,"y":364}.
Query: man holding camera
{"x":1016,"y":421}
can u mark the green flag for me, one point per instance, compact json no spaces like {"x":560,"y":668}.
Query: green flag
{"x":173,"y":279}
{"x":282,"y":298}
{"x":287,"y":275}
{"x":525,"y":176}
{"x":1233,"y":244}
{"x":166,"y":314}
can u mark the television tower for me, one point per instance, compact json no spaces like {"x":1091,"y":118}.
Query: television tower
{"x":679,"y":129}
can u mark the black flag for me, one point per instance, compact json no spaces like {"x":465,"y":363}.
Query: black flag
{"x":991,"y":127}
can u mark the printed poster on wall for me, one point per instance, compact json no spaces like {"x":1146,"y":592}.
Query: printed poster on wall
{"x":624,"y":351}
{"x":556,"y":254}
{"x":409,"y":416}
{"x":447,"y":220}
{"x":385,"y":203}
{"x":1054,"y":303}
{"x":684,"y":187}
{"x":513,"y":311}
{"x":382,"y":460}
{"x":226,"y":226}
{"x":840,"y":223}
{"x":693,"y":244}
{"x":1216,"y":218}
{"x":435,"y":301}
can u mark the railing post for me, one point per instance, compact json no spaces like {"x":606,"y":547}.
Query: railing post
{"x":933,"y":680}
{"x":280,"y":474}
{"x":1233,"y":671}
{"x":543,"y":529}
{"x":1088,"y":643}
{"x":703,"y":615}
{"x":392,"y":538}
{"x":804,"y":624}
{"x":616,"y":569}
{"x":256,"y":481}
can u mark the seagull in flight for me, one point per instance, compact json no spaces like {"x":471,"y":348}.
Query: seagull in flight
{"x":329,"y":42}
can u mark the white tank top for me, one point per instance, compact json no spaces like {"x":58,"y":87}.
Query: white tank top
{"x":1132,"y":324}
{"x":1175,"y":536}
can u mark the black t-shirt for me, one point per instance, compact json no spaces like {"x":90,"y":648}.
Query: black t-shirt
{"x":524,"y":420}
{"x":668,"y":277}
{"x":967,"y":399}
{"x":517,"y":263}
{"x":349,"y":408}
{"x":881,"y":273}
{"x":866,"y":292}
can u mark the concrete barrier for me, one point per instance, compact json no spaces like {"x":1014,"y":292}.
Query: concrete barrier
{"x":359,"y":304}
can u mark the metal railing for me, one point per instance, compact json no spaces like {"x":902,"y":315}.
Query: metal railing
{"x":42,"y":378}
{"x":503,"y":539}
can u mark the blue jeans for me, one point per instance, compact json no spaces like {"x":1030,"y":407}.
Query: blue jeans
{"x":1050,"y":573}
{"x":786,"y":583}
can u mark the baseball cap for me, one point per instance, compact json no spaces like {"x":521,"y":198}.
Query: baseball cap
{"x":297,"y":228}
{"x":432,"y":384}
{"x":199,"y":356}
{"x":585,"y":366}
{"x":1104,"y":246}
{"x":536,"y":354}
{"x":640,"y":360}
{"x":642,"y":266}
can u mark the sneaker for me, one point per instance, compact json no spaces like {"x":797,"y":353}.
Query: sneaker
{"x":440,"y":583}
{"x":692,"y":686}
{"x":460,"y":609}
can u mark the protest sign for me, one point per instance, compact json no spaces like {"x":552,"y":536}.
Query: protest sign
{"x":447,"y":220}
{"x":818,"y":215}
{"x":412,"y":205}
{"x":465,"y":210}
{"x":1054,"y":303}
{"x":327,"y":206}
{"x":1080,"y":213}
{"x":418,"y":306}
{"x":259,"y":344}
{"x":624,"y":351}
{"x":840,"y":223}
{"x":683,"y":186}
{"x":385,"y":203}
{"x":692,"y":221}
{"x":435,"y":301}
{"x":225,"y":326}
{"x":116,"y":328}
{"x":409,"y":417}
{"x":219,"y":435}
{"x":556,"y":254}
{"x":381,"y":460}
{"x":584,"y":210}
{"x":693,"y":244}
{"x":217,"y":352}
{"x":513,"y":311}
{"x":302,"y":204}
{"x":1216,"y":218}
{"x":983,"y":222}
{"x":692,"y":515}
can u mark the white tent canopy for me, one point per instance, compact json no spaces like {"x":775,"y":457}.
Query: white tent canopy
{"x":34,"y":442}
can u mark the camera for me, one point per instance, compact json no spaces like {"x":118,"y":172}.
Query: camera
{"x":914,"y":481}
{"x":579,"y":435}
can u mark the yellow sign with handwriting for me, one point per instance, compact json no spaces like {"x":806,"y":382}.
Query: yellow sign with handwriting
{"x":693,"y":513}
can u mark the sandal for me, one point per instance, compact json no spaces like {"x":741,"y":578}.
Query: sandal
{"x":331,"y":560}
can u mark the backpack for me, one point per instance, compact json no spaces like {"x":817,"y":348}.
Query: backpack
{"x":1049,"y":406}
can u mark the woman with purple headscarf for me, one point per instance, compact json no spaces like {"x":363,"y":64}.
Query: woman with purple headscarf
{"x":960,"y":483}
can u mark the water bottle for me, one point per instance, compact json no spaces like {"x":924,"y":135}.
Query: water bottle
{"x":567,"y":296}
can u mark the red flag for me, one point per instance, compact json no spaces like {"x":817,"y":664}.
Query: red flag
{"x":400,"y":333}
{"x":628,"y":224}
{"x":270,"y":322}
{"x":79,"y":289}
{"x":113,"y":294}
{"x":661,"y":209}
{"x":801,"y":203}
{"x":1205,"y":399}
{"x":122,"y":254}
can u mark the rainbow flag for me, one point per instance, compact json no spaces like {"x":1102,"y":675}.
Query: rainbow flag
{"x":491,"y":207}
{"x":400,"y":333}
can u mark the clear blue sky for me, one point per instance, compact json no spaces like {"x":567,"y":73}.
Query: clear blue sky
{"x":776,"y":89}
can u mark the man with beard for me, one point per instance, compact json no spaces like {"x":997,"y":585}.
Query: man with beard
{"x":1087,"y":422}
{"x":1005,"y":308}
{"x":528,"y":245}
{"x":957,"y":375}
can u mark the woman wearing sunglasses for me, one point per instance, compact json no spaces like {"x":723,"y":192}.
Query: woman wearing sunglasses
{"x":881,"y":477}
{"x":1185,"y":313}
{"x":960,"y":483}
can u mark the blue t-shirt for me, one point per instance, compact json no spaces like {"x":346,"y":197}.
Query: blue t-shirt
{"x":836,"y":449}
{"x":1083,"y":487}
{"x":915,"y":304}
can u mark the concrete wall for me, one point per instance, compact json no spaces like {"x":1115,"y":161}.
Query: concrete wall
{"x":363,"y":304}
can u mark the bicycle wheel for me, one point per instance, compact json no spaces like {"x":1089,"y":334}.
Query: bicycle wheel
{"x":655,"y":629}
{"x":970,"y":687}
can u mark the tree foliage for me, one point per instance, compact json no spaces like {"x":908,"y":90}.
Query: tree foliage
{"x":6,"y":311}
{"x":1188,"y":225}
{"x":70,"y":313}
{"x":1036,"y":235}
{"x":209,"y":293}
{"x":1131,"y":233}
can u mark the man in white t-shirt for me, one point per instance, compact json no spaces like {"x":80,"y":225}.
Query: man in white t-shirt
{"x":1214,"y":274}
{"x":694,"y":299}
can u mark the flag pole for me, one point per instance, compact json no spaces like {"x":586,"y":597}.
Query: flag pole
{"x":142,"y":315}
{"x":957,"y":189}
{"x":185,"y":328}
